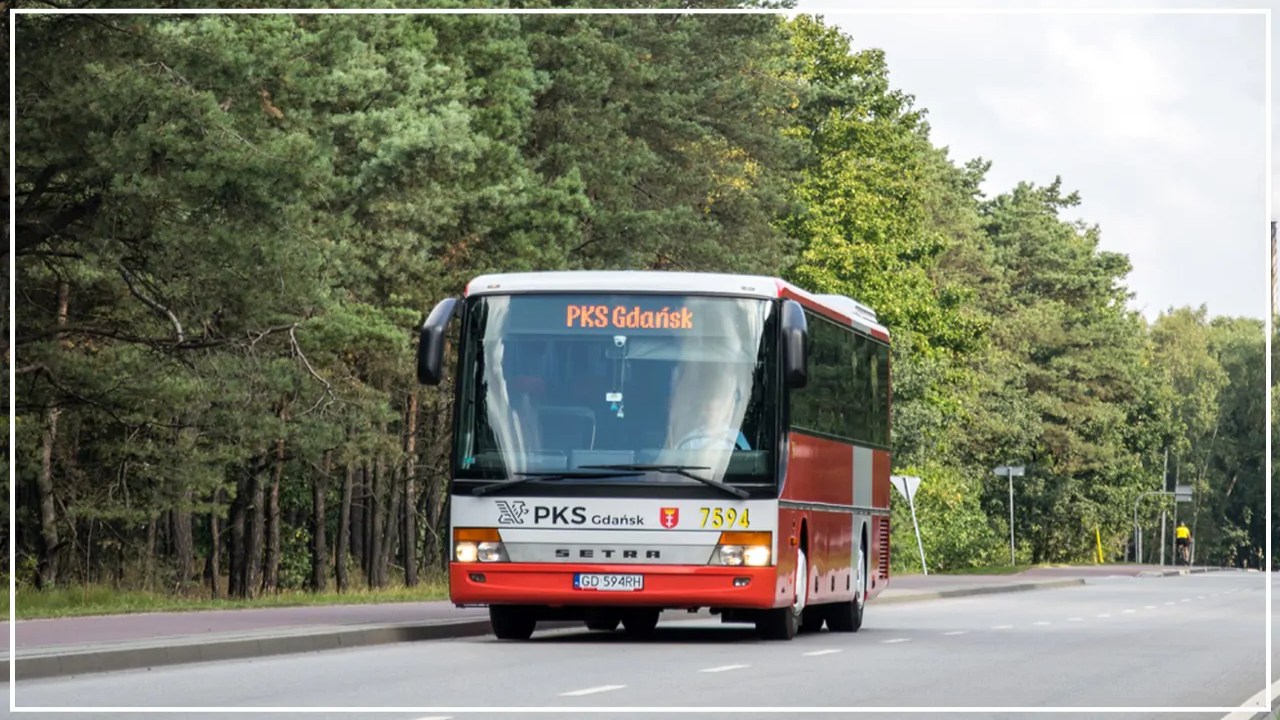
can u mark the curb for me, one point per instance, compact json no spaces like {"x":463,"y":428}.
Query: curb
{"x":55,"y":663}
{"x":969,"y":591}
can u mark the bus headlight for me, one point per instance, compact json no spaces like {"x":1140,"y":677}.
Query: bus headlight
{"x":491,"y":552}
{"x":465,"y":552}
{"x":756,"y":556}
{"x":752,"y":549}
{"x":478,"y":545}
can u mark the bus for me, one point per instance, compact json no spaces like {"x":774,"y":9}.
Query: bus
{"x":628,"y":442}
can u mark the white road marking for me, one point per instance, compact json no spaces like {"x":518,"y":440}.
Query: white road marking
{"x":1104,"y":615}
{"x":829,"y":651}
{"x":896,"y":640}
{"x":1040,"y":622}
{"x":1001,"y":627}
{"x":1168,"y":602}
{"x":1148,"y":607}
{"x":1259,"y":700}
{"x":1129,"y":610}
{"x":592,"y":690}
{"x":1185,"y":600}
{"x":954,"y":632}
{"x":723,"y":668}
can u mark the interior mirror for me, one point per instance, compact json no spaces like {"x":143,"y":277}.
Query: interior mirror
{"x":795,"y":345}
{"x":431,"y":342}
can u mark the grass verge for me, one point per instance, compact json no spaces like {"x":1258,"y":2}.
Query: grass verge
{"x":105,"y":600}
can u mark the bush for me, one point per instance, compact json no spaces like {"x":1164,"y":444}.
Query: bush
{"x":955,"y":532}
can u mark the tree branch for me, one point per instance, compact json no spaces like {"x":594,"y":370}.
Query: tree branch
{"x":124,"y":273}
{"x":328,"y":389}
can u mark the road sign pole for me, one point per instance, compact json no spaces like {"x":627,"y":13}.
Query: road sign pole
{"x":907,"y":484}
{"x":919,"y":543}
{"x":1009,"y":471}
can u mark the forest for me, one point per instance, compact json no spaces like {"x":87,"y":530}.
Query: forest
{"x":230,"y":227}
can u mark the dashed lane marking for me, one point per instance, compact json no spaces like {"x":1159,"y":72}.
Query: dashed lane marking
{"x":724,"y":668}
{"x":591,"y":690}
{"x":896,"y":640}
{"x":1001,"y":627}
{"x":815,"y":653}
{"x":954,"y":632}
{"x":1104,"y":615}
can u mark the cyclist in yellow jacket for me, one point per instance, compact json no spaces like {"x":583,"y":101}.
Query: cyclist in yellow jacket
{"x":1182,"y":542}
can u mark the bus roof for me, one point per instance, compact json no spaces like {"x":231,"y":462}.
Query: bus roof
{"x":835,"y":307}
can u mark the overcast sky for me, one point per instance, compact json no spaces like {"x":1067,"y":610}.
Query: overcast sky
{"x":1157,"y":120}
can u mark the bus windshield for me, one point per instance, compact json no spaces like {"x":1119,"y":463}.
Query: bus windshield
{"x":565,"y":382}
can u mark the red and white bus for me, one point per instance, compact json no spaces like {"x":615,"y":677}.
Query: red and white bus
{"x":629,"y":442}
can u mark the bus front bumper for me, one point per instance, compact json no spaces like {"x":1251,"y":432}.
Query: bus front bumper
{"x":562,"y":585}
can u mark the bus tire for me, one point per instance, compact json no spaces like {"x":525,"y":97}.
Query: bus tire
{"x":784,"y":623}
{"x":511,"y":622}
{"x":605,"y":622}
{"x":640,"y":622}
{"x":847,"y":616}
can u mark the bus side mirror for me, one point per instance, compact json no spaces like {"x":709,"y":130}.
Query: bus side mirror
{"x":431,"y":342}
{"x":795,"y":341}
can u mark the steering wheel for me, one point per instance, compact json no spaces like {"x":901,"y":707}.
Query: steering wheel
{"x":715,"y":440}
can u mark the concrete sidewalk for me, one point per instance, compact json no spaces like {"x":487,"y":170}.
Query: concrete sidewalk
{"x":71,"y":646}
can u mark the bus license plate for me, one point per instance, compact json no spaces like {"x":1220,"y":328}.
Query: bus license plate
{"x":624,"y":583}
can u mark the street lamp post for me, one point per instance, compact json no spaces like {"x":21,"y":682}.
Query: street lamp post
{"x":1009,"y":471}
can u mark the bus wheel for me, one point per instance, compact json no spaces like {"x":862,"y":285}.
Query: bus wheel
{"x":847,"y":616}
{"x":640,"y":622}
{"x":606,"y":622}
{"x":784,"y":623}
{"x":511,"y":622}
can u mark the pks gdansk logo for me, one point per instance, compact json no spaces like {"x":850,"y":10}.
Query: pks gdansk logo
{"x":511,"y":512}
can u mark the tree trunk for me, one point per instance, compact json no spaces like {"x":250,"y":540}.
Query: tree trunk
{"x":237,"y":556}
{"x":215,"y":547}
{"x":410,"y":493}
{"x":271,"y":573}
{"x":48,"y":562}
{"x":150,"y":562}
{"x":344,"y":529}
{"x":253,"y":548}
{"x":358,"y":515}
{"x":319,"y":576}
{"x":182,"y":538}
{"x":391,"y":529}
{"x":375,"y":526}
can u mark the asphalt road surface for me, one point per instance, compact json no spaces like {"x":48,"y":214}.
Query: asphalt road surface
{"x":1195,"y":640}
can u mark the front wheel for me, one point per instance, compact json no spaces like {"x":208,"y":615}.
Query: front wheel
{"x":641,"y":622}
{"x":784,"y":623}
{"x":510,"y":622}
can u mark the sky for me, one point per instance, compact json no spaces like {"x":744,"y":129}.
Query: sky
{"x":1157,"y":120}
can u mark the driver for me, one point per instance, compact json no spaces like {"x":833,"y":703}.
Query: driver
{"x":705,"y":407}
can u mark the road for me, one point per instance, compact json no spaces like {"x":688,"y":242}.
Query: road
{"x":1193,"y":640}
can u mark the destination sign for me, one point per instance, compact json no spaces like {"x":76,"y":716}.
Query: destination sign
{"x":628,"y":318}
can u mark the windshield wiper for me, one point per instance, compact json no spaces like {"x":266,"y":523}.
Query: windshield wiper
{"x":682,"y":470}
{"x":556,"y":475}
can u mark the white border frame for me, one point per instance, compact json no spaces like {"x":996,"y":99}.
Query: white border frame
{"x":1265,"y":695}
